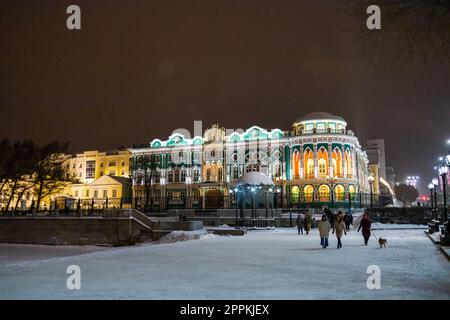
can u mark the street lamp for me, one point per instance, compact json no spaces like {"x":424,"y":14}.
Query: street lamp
{"x":371,"y":180}
{"x":332,"y":189}
{"x":443,"y":170}
{"x":431,"y":188}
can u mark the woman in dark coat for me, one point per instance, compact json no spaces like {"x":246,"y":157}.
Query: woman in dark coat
{"x":365,"y":226}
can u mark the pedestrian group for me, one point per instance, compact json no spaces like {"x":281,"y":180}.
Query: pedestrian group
{"x":338,"y":224}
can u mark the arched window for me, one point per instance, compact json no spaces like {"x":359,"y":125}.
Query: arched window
{"x":208,"y":174}
{"x":183,"y":175}
{"x":277,"y":170}
{"x":170,"y":176}
{"x":336,"y":162}
{"x":308,"y":192}
{"x":348,"y":163}
{"x":339,"y":193}
{"x":322,"y":162}
{"x":296,"y":164}
{"x":196,"y":175}
{"x":308,"y":164}
{"x":235,"y":172}
{"x":220,"y":174}
{"x":324,"y":193}
{"x":295,"y":194}
{"x":176,"y":174}
{"x":352,"y":192}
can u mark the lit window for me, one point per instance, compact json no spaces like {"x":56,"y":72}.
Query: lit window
{"x":90,"y":169}
{"x":220,"y":174}
{"x":196,"y":175}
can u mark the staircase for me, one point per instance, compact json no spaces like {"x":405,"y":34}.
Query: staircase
{"x":150,"y":227}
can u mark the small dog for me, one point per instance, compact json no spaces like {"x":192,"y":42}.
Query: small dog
{"x":382,"y":242}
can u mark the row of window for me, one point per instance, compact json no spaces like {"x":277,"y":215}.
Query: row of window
{"x":91,"y":163}
{"x":91,"y":174}
{"x":105,"y":193}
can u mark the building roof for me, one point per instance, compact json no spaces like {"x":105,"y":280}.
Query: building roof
{"x":319,"y":116}
{"x":254,"y":178}
{"x":107,"y":179}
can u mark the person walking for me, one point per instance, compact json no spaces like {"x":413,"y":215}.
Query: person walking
{"x":347,"y":221}
{"x":365,"y":226}
{"x":324,"y":230}
{"x":307,"y":223}
{"x":300,"y":224}
{"x":339,"y":227}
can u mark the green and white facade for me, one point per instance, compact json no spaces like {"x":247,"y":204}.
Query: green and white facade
{"x":318,"y":162}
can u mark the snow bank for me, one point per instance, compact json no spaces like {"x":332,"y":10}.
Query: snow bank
{"x":180,"y":236}
{"x":378,"y":225}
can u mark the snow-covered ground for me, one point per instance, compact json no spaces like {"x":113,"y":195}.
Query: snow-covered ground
{"x":275,"y":264}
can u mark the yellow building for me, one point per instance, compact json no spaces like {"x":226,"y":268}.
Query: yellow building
{"x":90,"y":165}
{"x":374,"y":172}
{"x":102,"y":179}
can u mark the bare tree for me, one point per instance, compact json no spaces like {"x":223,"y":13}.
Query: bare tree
{"x":50,"y":172}
{"x":18,"y":165}
{"x":5,"y":151}
{"x":144,"y":173}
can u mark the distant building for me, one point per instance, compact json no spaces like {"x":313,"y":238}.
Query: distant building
{"x":390,"y":176}
{"x":377,"y":155}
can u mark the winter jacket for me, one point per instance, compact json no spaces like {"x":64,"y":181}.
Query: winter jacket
{"x":365,"y":225}
{"x":308,"y":223}
{"x":324,"y":228}
{"x":339,"y":228}
{"x":300,"y":222}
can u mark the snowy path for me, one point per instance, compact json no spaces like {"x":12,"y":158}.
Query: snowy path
{"x":261,"y":265}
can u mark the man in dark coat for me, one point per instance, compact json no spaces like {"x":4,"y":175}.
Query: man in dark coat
{"x":348,"y":219}
{"x":300,"y":224}
{"x":365,"y":226}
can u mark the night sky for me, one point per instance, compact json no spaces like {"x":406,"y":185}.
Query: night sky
{"x":140,"y":69}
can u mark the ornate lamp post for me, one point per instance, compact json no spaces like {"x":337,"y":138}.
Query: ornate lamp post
{"x":371,"y":180}
{"x":443,"y":170}
{"x":435,"y":182}
{"x":431,"y":188}
{"x":332,"y":190}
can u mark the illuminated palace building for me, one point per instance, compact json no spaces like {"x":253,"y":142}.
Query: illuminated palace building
{"x":318,"y":163}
